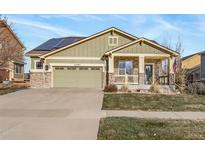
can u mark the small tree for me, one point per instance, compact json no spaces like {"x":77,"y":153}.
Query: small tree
{"x":180,"y":74}
{"x":9,"y":48}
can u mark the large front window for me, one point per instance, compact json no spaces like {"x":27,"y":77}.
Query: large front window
{"x":125,"y":68}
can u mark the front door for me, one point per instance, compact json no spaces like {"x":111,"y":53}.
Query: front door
{"x":148,"y":73}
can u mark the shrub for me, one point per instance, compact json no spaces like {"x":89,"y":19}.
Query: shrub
{"x":110,"y":88}
{"x":196,"y":88}
{"x":154,"y":89}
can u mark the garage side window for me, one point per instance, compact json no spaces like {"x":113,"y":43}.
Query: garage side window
{"x":38,"y":65}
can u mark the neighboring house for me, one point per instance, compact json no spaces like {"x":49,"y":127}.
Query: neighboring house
{"x":195,"y":67}
{"x":109,"y":57}
{"x":10,"y":43}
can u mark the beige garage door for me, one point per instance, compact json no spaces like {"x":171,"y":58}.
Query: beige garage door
{"x":81,"y":77}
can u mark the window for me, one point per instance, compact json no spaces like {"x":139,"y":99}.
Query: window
{"x":18,"y":69}
{"x":71,"y":68}
{"x":39,"y":65}
{"x":83,"y":68}
{"x":113,"y":41}
{"x":125,"y":68}
{"x":95,"y":68}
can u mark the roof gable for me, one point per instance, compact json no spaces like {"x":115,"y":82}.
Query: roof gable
{"x":144,"y":40}
{"x":189,"y":56}
{"x":91,"y":37}
{"x":2,"y":22}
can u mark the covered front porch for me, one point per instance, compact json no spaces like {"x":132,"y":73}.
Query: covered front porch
{"x":137,"y":70}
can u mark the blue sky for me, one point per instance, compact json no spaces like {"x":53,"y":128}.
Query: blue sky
{"x":36,"y":29}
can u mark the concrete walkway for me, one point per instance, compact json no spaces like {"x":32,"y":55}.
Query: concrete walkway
{"x":161,"y":115}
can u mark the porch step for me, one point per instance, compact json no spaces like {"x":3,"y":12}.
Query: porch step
{"x":166,"y":89}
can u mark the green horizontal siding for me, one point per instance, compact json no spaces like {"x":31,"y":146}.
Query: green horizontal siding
{"x":142,"y":49}
{"x":95,"y":47}
{"x":32,"y":61}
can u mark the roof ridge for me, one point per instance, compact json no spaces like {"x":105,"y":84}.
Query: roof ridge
{"x":188,"y":56}
{"x":69,"y":37}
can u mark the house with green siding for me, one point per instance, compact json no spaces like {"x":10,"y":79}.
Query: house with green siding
{"x":111,"y":56}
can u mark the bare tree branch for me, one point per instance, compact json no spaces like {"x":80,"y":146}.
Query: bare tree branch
{"x":180,"y":75}
{"x":10,"y":50}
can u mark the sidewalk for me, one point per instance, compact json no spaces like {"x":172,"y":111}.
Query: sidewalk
{"x":150,"y":114}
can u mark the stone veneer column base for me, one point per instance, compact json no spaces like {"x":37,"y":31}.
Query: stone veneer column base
{"x":111,"y":78}
{"x":171,"y":79}
{"x":141,"y":78}
{"x":40,"y":79}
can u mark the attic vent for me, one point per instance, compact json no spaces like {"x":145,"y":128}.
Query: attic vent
{"x":113,"y":41}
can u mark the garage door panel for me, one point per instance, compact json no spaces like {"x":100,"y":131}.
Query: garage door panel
{"x":77,"y":77}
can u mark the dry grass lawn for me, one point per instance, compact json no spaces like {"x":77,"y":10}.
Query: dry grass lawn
{"x":153,"y":102}
{"x":123,"y":128}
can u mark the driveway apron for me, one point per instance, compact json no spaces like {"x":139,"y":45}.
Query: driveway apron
{"x":60,"y":113}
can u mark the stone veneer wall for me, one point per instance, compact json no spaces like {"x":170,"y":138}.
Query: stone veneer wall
{"x":104,"y":80}
{"x":141,"y":79}
{"x":171,"y":79}
{"x":111,"y":78}
{"x":40,"y":79}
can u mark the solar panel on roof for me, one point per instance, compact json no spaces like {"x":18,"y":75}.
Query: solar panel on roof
{"x":57,"y":43}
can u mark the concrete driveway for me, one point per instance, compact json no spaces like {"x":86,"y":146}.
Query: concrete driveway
{"x":50,"y":114}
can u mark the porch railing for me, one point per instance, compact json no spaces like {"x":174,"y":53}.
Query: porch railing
{"x":163,"y":80}
{"x":126,"y":79}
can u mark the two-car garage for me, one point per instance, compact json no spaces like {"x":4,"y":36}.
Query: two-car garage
{"x":78,"y":76}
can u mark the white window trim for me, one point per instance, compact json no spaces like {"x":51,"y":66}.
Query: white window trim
{"x":120,"y":61}
{"x":112,"y":37}
{"x":35,"y":61}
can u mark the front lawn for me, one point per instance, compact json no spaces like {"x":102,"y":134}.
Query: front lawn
{"x":12,"y":89}
{"x":153,"y":102}
{"x":6,"y":91}
{"x":122,"y":128}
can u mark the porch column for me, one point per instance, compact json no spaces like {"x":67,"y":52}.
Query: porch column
{"x":171,"y":77}
{"x":110,"y":69}
{"x":111,"y":64}
{"x":141,"y":70}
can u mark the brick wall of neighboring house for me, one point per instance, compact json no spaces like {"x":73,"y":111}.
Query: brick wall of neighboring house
{"x":40,"y":79}
{"x":6,"y":36}
{"x":4,"y":74}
